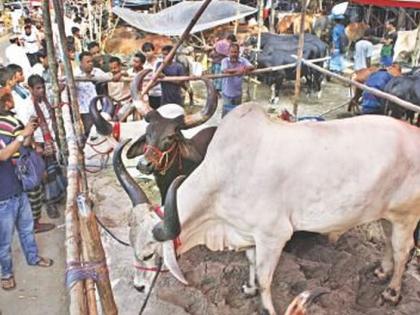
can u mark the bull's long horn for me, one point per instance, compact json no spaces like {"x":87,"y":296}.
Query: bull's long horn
{"x":300,"y":304}
{"x":133,"y":190}
{"x":170,"y":227}
{"x":208,"y":110}
{"x":136,"y":87}
{"x":103,"y":126}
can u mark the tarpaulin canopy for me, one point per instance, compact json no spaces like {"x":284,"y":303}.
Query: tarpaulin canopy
{"x":415,"y":4}
{"x":175,"y":19}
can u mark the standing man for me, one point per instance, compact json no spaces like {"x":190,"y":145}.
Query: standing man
{"x":155,"y":93}
{"x":137,"y":64}
{"x":171,"y":91}
{"x":232,"y":86}
{"x":389,"y":39}
{"x":87,"y":90}
{"x":119,"y":92}
{"x":337,"y":50}
{"x":31,"y":44}
{"x":220,"y":51}
{"x":363,"y":53}
{"x":15,"y":210}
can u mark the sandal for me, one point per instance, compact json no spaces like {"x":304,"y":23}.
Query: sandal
{"x":8,"y":283}
{"x":44,"y":262}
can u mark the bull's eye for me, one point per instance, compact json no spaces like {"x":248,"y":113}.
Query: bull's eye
{"x":148,"y":257}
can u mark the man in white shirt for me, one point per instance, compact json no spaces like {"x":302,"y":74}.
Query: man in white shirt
{"x":31,"y":44}
{"x":15,"y":54}
{"x":363,"y":53}
{"x":119,"y":91}
{"x":16,"y":15}
{"x":137,"y":64}
{"x":87,"y":90}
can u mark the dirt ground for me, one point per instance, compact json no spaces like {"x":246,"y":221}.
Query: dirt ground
{"x":215,"y":278}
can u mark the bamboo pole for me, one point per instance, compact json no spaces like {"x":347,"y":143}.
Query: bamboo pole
{"x":260,"y":25}
{"x":73,"y":95}
{"x":235,"y":28}
{"x":208,"y":76}
{"x":52,"y":64}
{"x":299,"y":57}
{"x":94,"y":253}
{"x":376,"y":92}
{"x":273,"y":16}
{"x":78,"y":304}
{"x":171,"y":54}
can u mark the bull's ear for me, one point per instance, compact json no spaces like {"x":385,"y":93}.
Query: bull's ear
{"x":152,"y":115}
{"x":189,"y":151}
{"x":137,"y":148}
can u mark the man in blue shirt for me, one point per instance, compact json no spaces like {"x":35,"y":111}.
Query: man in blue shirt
{"x":370,"y":103}
{"x":232,"y":86}
{"x":338,"y":35}
{"x":171,"y":91}
{"x":15,"y":210}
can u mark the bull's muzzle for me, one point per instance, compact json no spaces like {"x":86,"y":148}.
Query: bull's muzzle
{"x":144,"y":166}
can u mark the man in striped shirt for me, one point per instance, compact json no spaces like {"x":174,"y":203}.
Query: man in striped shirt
{"x":15,"y":211}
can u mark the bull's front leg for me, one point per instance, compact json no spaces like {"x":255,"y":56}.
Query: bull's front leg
{"x":387,"y":263}
{"x":402,"y":242}
{"x":250,"y":289}
{"x":268,"y":251}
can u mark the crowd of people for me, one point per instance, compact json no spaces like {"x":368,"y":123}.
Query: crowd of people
{"x":363,"y":52}
{"x":28,"y":122}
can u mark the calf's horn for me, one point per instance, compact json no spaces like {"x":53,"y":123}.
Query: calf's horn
{"x":103,"y":126}
{"x":136,"y":194}
{"x":193,"y":120}
{"x":170,"y":227}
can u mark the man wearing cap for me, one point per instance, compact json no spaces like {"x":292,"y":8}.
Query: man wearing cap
{"x":338,"y":35}
{"x":15,"y":54}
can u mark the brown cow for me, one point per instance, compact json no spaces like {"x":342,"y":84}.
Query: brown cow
{"x":355,"y":31}
{"x":127,"y":41}
{"x":290,"y":24}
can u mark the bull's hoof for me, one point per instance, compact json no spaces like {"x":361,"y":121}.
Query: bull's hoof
{"x":249,"y":291}
{"x":381,"y":274}
{"x":391,"y":296}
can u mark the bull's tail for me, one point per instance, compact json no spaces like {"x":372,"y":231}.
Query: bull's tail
{"x":300,"y":304}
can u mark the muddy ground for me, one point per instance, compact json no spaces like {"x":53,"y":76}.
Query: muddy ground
{"x":215,"y":278}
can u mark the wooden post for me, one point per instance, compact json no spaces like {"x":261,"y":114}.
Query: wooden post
{"x":272,"y":16}
{"x":73,"y":95}
{"x":52,"y":64}
{"x":93,"y":253}
{"x":260,"y":25}
{"x":171,"y":54}
{"x":235,"y":28}
{"x":78,"y":304}
{"x":299,"y":57}
{"x":401,"y":19}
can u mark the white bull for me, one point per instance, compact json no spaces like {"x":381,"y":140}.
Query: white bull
{"x":262,"y":180}
{"x":405,"y":45}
